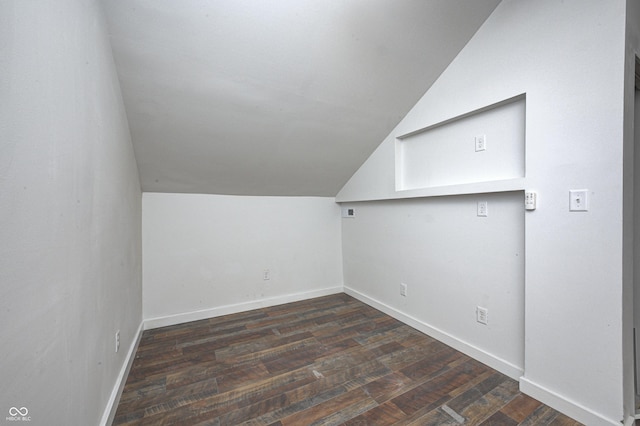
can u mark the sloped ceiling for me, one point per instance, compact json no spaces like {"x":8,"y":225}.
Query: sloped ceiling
{"x":275,"y":97}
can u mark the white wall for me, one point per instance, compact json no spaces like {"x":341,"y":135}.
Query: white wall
{"x":204,"y":255}
{"x":452,"y":261}
{"x":631,"y":295}
{"x":568,"y":57}
{"x":70,"y":252}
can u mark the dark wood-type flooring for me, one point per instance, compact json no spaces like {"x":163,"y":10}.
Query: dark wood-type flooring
{"x":326,"y":361}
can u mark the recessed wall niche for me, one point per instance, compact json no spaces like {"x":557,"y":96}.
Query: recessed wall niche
{"x":452,"y":152}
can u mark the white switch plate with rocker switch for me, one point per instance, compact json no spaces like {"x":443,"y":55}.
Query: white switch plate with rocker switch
{"x":579,"y":200}
{"x":530,"y":200}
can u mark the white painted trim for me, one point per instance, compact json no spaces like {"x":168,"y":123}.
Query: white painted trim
{"x":502,"y":185}
{"x":631,"y":420}
{"x":239,"y":307}
{"x":492,"y":361}
{"x":564,"y":405}
{"x":112,"y":405}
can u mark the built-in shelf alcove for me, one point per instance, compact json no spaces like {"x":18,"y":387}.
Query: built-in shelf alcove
{"x":446,"y":154}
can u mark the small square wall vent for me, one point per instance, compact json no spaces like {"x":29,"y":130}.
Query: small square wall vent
{"x":348,"y":212}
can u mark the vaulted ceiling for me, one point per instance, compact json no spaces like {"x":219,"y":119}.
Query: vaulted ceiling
{"x":275,"y":97}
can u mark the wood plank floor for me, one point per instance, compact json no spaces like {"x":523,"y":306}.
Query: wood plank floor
{"x":326,"y":361}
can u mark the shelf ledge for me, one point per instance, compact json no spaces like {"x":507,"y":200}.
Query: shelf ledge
{"x":504,"y":185}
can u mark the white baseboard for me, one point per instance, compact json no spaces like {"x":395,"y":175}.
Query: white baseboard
{"x":564,"y":405}
{"x":114,"y":398}
{"x":492,"y":361}
{"x":164,"y":321}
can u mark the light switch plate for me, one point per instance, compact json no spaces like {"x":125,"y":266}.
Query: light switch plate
{"x":579,"y":200}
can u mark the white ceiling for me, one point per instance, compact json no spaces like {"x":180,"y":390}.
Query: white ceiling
{"x":275,"y":97}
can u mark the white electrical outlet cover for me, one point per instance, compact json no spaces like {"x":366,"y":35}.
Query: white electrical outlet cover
{"x":481,"y":142}
{"x":482,"y":315}
{"x":483,"y":208}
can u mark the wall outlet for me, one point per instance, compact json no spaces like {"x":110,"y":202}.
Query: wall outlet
{"x":481,"y":142}
{"x":266,"y":274}
{"x":483,"y":209}
{"x":482,"y":315}
{"x":403,"y":289}
{"x":117,"y":340}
